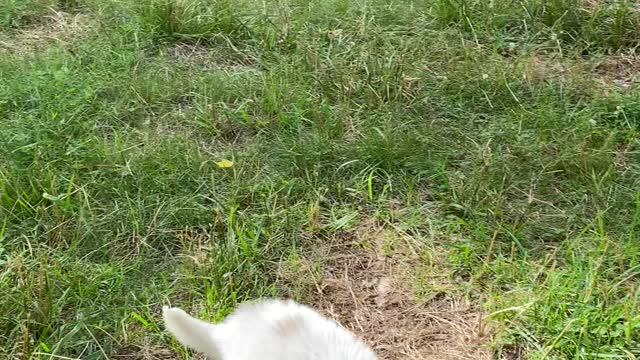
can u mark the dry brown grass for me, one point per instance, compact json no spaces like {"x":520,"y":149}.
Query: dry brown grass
{"x":58,"y":27}
{"x":146,"y":353}
{"x":231,"y":61}
{"x":367,"y":285}
{"x":622,"y":71}
{"x":596,"y":77}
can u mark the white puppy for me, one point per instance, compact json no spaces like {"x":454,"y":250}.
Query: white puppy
{"x":268,"y":330}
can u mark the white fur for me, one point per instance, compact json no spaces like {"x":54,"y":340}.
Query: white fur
{"x":268,"y":330}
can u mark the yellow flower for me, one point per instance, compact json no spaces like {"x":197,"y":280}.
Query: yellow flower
{"x":224,"y":163}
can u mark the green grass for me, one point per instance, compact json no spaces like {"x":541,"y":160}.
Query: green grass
{"x":495,"y":114}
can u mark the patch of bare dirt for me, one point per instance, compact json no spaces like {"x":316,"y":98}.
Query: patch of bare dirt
{"x":368,"y":289}
{"x":58,"y":27}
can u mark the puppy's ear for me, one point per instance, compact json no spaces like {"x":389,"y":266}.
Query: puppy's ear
{"x":191,"y":332}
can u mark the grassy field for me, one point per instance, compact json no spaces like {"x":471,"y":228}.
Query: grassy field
{"x":487,"y":150}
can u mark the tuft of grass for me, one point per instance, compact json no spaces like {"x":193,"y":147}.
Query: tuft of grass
{"x":19,"y":13}
{"x":193,"y":21}
{"x":590,"y":25}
